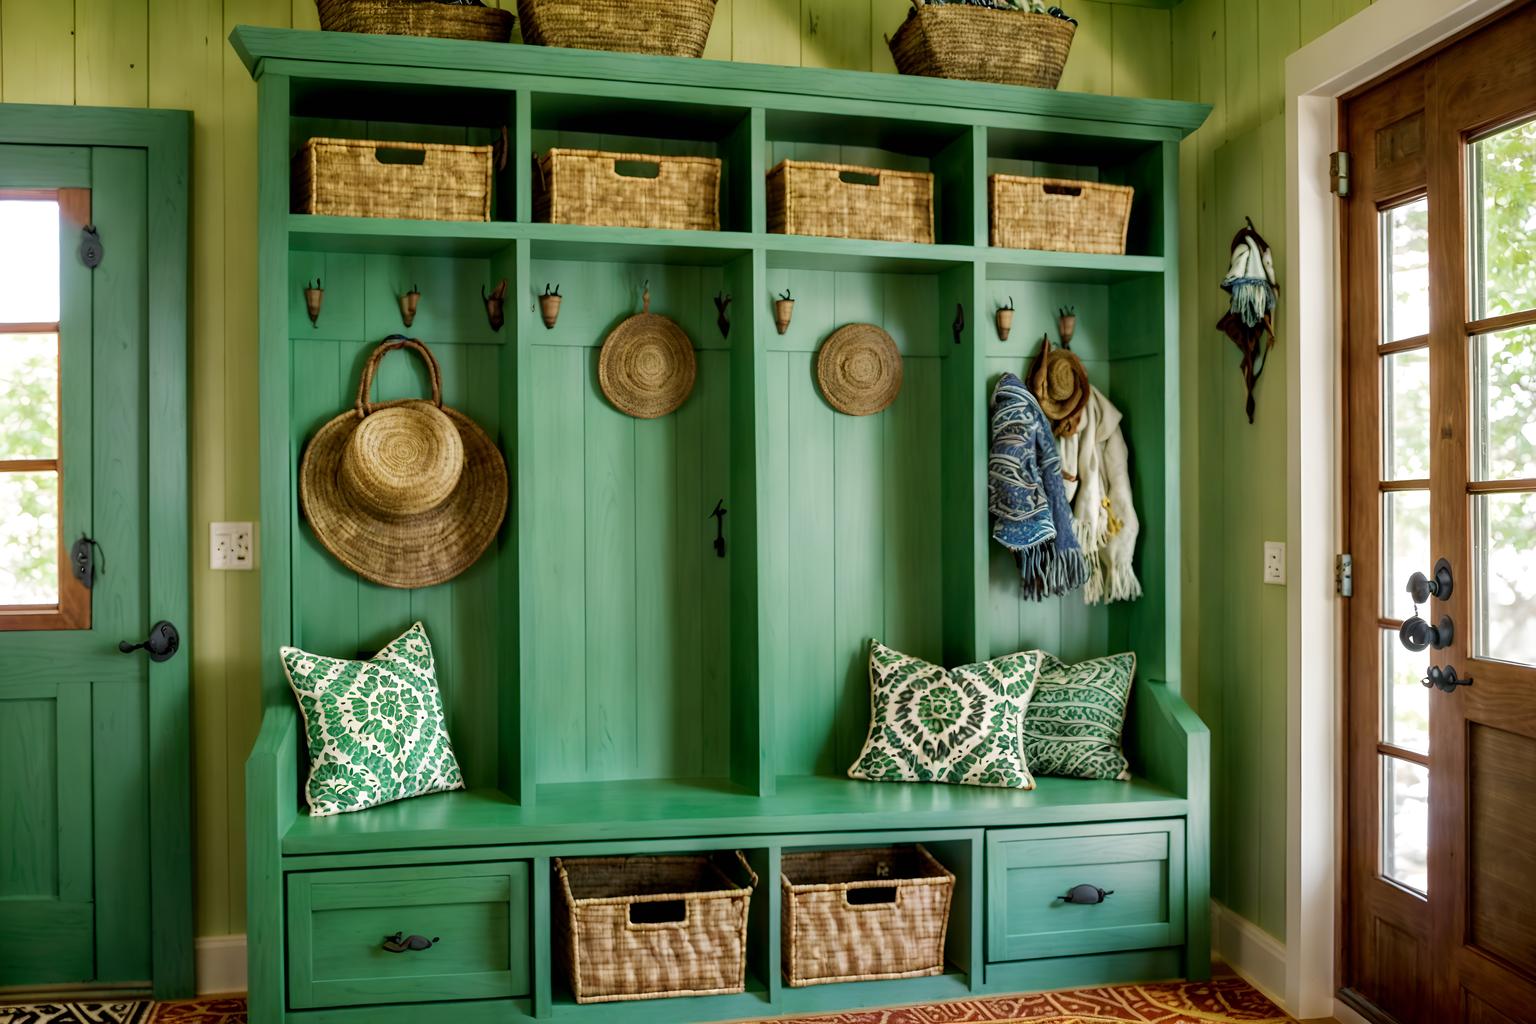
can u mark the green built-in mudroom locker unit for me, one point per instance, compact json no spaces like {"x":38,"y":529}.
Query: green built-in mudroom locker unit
{"x":613,"y":682}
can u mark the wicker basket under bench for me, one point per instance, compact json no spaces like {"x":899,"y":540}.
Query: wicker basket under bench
{"x":864,"y":915}
{"x":653,"y":927}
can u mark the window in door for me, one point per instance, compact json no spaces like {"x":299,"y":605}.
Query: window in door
{"x":37,"y":590}
{"x":1501,"y":177}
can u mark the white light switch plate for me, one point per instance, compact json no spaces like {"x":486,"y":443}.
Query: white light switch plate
{"x":1274,"y":562}
{"x":231,"y":546}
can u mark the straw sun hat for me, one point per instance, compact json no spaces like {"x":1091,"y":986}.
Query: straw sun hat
{"x":646,"y":367}
{"x":1060,"y":383}
{"x":406,"y":493}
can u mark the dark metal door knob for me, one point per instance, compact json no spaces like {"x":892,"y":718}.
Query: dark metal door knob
{"x":1421,"y":588}
{"x":162,"y":643}
{"x":1416,"y":634}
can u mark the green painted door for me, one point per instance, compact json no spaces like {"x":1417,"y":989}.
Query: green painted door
{"x":74,"y":764}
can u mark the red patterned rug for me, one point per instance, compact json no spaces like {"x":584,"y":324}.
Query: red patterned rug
{"x":1225,"y":1000}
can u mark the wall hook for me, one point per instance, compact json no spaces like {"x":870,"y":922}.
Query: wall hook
{"x":1005,"y":320}
{"x":1066,"y":324}
{"x":783,"y":309}
{"x":549,"y":306}
{"x":495,"y":304}
{"x":408,"y":303}
{"x":719,"y":515}
{"x":723,"y":321}
{"x":645,"y":296}
{"x":314,"y":295}
{"x":959,"y":324}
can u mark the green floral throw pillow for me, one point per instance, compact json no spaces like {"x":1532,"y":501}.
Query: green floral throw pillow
{"x":1073,"y":725}
{"x":375,"y":727}
{"x":964,"y":725}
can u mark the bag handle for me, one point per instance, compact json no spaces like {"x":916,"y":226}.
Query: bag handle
{"x":397,"y":341}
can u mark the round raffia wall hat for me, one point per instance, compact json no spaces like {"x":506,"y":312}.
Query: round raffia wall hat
{"x":859,"y":369}
{"x":407,"y":493}
{"x":1060,"y":383}
{"x":646,"y":367}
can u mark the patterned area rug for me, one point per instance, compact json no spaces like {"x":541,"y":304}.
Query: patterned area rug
{"x":1226,"y":1000}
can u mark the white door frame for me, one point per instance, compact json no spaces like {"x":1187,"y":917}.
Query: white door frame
{"x":1379,"y":38}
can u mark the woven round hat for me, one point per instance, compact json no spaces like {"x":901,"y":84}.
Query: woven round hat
{"x":859,"y":369}
{"x":407,"y":493}
{"x":1060,"y":383}
{"x":647,"y":367}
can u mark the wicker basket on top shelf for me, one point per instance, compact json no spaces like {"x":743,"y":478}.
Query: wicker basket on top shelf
{"x":362,"y":178}
{"x":953,"y":40}
{"x":671,"y":28}
{"x":416,"y":18}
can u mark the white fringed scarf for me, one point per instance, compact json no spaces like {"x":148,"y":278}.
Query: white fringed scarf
{"x":1095,"y":467}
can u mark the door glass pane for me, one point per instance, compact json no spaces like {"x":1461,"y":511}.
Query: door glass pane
{"x":1504,"y":403}
{"x":1404,"y":699}
{"x":29,"y":261}
{"x":29,"y":538}
{"x":1405,"y":271}
{"x":29,"y":396}
{"x":1405,"y":822}
{"x":1405,"y":415}
{"x":1405,"y":547}
{"x":1502,"y":191}
{"x":1504,"y":603}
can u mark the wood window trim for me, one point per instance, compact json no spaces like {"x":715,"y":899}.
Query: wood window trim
{"x":73,"y":609}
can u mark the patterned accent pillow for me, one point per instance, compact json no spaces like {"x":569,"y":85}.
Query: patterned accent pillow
{"x":375,"y":728}
{"x":963,"y":726}
{"x":1074,"y":723}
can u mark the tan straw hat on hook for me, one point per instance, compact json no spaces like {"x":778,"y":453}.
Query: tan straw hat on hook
{"x":407,"y":493}
{"x":1060,"y":383}
{"x":859,"y":369}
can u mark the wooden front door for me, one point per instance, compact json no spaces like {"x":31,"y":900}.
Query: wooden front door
{"x":75,"y":841}
{"x":1440,"y":320}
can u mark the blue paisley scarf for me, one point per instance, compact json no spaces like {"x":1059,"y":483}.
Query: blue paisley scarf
{"x":1030,"y":513}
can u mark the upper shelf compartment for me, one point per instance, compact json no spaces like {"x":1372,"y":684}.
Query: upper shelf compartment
{"x":397,"y":112}
{"x":616,"y":123}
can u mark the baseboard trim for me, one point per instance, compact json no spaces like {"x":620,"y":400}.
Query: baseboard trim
{"x":220,"y":965}
{"x":1249,"y":950}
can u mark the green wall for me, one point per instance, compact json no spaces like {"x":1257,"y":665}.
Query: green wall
{"x":172,"y":53}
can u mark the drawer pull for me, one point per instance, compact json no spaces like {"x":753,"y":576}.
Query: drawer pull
{"x":402,"y":943}
{"x":1086,"y":894}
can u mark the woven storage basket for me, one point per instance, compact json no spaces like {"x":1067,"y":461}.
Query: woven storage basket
{"x":586,"y":186}
{"x":982,"y":45}
{"x":673,"y":28}
{"x":416,"y":18}
{"x":622,"y":935}
{"x":844,"y":201}
{"x":864,"y":915}
{"x":1053,"y":213}
{"x":349,"y":178}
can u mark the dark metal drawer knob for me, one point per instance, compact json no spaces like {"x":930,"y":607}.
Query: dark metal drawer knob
{"x":1086,"y":894}
{"x":402,"y":943}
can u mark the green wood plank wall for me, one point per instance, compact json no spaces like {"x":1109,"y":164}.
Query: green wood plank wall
{"x":172,"y":53}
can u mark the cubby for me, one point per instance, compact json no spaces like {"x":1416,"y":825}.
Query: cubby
{"x":612,"y":683}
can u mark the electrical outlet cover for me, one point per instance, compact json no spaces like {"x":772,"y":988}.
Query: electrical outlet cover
{"x":1274,"y":562}
{"x":231,"y":546}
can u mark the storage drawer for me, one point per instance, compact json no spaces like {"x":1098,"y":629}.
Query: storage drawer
{"x":339,"y":922}
{"x":1030,"y":870}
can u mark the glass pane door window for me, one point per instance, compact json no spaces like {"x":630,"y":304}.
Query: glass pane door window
{"x":35,"y":587}
{"x":1501,"y":176}
{"x":1402,"y":738}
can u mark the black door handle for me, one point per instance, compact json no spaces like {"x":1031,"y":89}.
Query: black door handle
{"x":1444,"y":679}
{"x":162,"y":643}
{"x":402,"y":943}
